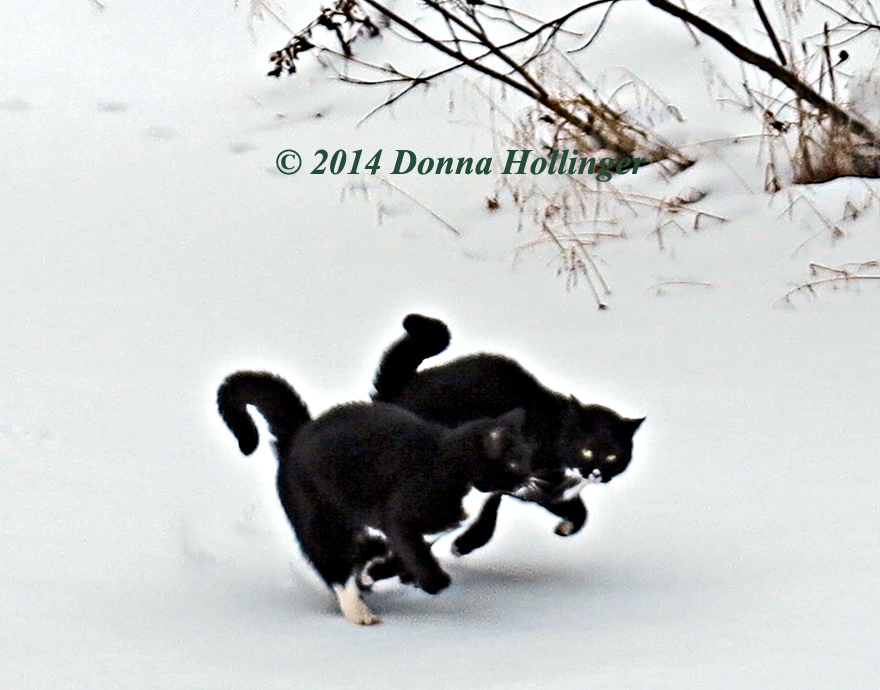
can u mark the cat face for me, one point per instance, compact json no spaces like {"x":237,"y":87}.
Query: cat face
{"x":509,"y":456}
{"x":595,"y":446}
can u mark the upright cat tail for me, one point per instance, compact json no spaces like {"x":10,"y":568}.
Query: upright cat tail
{"x":272,"y":396}
{"x":425,"y":337}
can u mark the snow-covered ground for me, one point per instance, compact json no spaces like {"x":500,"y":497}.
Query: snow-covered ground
{"x":148,"y":247}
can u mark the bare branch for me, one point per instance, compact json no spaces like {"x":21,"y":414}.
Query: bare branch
{"x":765,"y":64}
{"x":464,"y":59}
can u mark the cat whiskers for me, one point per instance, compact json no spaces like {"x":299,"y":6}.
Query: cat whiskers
{"x":574,"y":481}
{"x":534,"y":488}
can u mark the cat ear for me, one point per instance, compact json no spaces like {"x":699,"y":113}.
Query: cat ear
{"x":632,"y":425}
{"x":516,"y":417}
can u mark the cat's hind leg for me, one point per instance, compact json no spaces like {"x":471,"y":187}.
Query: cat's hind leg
{"x":336,"y":561}
{"x":480,"y":531}
{"x":342,"y":574}
{"x":329,"y":541}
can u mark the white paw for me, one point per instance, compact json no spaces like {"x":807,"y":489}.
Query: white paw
{"x":362,"y":617}
{"x":352,"y":605}
{"x":564,"y":528}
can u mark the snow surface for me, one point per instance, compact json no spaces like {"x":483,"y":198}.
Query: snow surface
{"x":149,"y":248}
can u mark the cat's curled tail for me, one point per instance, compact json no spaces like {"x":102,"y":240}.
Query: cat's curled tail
{"x":282,"y":408}
{"x":425,"y":337}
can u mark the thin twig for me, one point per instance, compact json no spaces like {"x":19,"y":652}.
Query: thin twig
{"x":856,"y":22}
{"x":391,"y":100}
{"x":826,"y":51}
{"x":770,"y":32}
{"x":418,"y":203}
{"x":592,"y":38}
{"x":510,"y":12}
{"x":811,"y":286}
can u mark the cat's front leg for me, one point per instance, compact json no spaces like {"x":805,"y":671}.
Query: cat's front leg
{"x":480,"y":531}
{"x":416,"y":559}
{"x":573,"y":513}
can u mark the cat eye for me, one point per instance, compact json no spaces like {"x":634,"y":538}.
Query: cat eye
{"x":587,"y":453}
{"x":610,"y":458}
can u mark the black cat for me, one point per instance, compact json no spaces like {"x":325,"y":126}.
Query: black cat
{"x":574,"y":443}
{"x":364,"y":482}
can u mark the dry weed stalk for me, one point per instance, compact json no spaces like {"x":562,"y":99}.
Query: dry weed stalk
{"x":846,"y":275}
{"x":819,"y":144}
{"x":576,"y":215}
